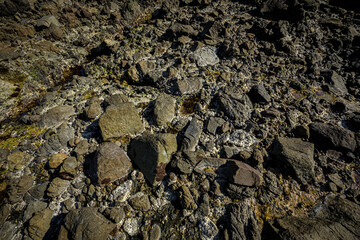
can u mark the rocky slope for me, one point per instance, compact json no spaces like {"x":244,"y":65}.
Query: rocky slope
{"x":191,"y":119}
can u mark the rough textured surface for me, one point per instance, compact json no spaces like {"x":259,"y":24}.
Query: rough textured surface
{"x":164,"y":109}
{"x":56,"y":116}
{"x":120,"y":120}
{"x":111,"y":163}
{"x":39,"y":224}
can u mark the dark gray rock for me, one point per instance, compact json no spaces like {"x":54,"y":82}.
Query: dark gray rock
{"x":9,"y":8}
{"x":332,"y":136}
{"x":56,"y":116}
{"x":164,"y":109}
{"x":93,"y":108}
{"x":33,"y":208}
{"x":87,"y":223}
{"x":5,"y":210}
{"x":116,"y":99}
{"x":296,"y":158}
{"x":213,"y":124}
{"x":40,"y":224}
{"x":69,"y":168}
{"x":57,"y":141}
{"x":184,"y":162}
{"x":38,"y":191}
{"x":208,"y":229}
{"x":151,"y":154}
{"x":336,"y":219}
{"x":111,"y":163}
{"x":192,"y":135}
{"x":242,"y":223}
{"x":258,"y":94}
{"x":336,"y":82}
{"x":19,"y":187}
{"x":120,"y":120}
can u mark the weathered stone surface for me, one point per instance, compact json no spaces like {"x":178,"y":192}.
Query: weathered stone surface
{"x":184,"y":162}
{"x":336,"y":219}
{"x":93,"y":108}
{"x":120,"y":120}
{"x":155,"y":233}
{"x":326,"y":135}
{"x":140,"y":201}
{"x":296,"y":157}
{"x":57,"y":159}
{"x":40,"y":224}
{"x":235,"y":172}
{"x":242,"y":223}
{"x":187,"y":200}
{"x":116,"y":99}
{"x":56,"y":116}
{"x":57,"y":187}
{"x":151,"y":154}
{"x":87,"y":223}
{"x":82,"y":147}
{"x":18,"y":160}
{"x":111,"y":163}
{"x":258,"y":94}
{"x":32,"y":208}
{"x":206,"y":56}
{"x":192,"y":135}
{"x":116,"y":214}
{"x":58,"y":141}
{"x":208,"y":229}
{"x":19,"y":187}
{"x":164,"y":109}
{"x":69,"y":168}
{"x":213,"y":124}
{"x":46,"y":22}
{"x":189,"y":86}
{"x":336,"y":82}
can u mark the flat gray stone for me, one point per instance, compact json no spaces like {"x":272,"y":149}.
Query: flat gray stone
{"x":56,"y":116}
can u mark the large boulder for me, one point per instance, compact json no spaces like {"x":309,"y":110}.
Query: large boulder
{"x":296,"y":157}
{"x":120,"y":120}
{"x":86,"y":223}
{"x":39,"y":224}
{"x":151,"y":153}
{"x":336,"y":219}
{"x":111,"y":163}
{"x":332,"y":136}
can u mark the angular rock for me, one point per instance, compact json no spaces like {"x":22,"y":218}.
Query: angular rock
{"x":155,"y":233}
{"x":189,"y":86}
{"x":187,"y":200}
{"x":258,"y":94}
{"x":55,"y":116}
{"x":296,"y":157}
{"x":57,"y":159}
{"x":46,"y":21}
{"x":5,"y":211}
{"x":18,"y":160}
{"x":19,"y":187}
{"x":140,"y":201}
{"x":337,"y":218}
{"x":192,"y":135}
{"x":213,"y":124}
{"x":151,"y":154}
{"x":120,"y":120}
{"x":337,"y":84}
{"x":122,"y":192}
{"x":208,"y":229}
{"x":164,"y":109}
{"x":132,"y":226}
{"x":87,"y":223}
{"x":117,"y":215}
{"x":116,"y":99}
{"x":40,"y":224}
{"x":93,"y":108}
{"x":111,"y":163}
{"x":242,"y":223}
{"x":58,"y":141}
{"x":332,"y":136}
{"x":69,"y":168}
{"x":57,"y":187}
{"x":206,"y":56}
{"x":82,"y":147}
{"x":184,"y":163}
{"x":32,"y":208}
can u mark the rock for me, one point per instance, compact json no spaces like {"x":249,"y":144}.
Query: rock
{"x":18,"y":160}
{"x":234,"y":103}
{"x":151,"y":154}
{"x":120,"y":120}
{"x":93,"y":108}
{"x":57,"y":141}
{"x":140,"y":201}
{"x":5,"y":210}
{"x":82,"y":147}
{"x":57,"y":187}
{"x":4,"y":153}
{"x":164,"y":109}
{"x":56,"y":116}
{"x":296,"y":157}
{"x":117,"y":215}
{"x":189,"y":85}
{"x":46,"y":21}
{"x":301,"y":131}
{"x":178,"y":29}
{"x":332,"y":136}
{"x":38,"y":191}
{"x":146,"y":67}
{"x":155,"y":232}
{"x":337,"y":84}
{"x":132,"y":226}
{"x":206,"y":56}
{"x":40,"y":224}
{"x":187,"y":200}
{"x":213,"y":124}
{"x":184,"y":163}
{"x":337,"y":218}
{"x":208,"y":229}
{"x":19,"y":187}
{"x":111,"y":163}
{"x":122,"y":192}
{"x":116,"y":99}
{"x":133,"y":74}
{"x":8,"y":230}
{"x":57,"y":159}
{"x":192,"y":135}
{"x":9,"y":8}
{"x":33,"y":207}
{"x":87,"y":223}
{"x":258,"y":94}
{"x":131,"y":11}
{"x":69,"y":168}
{"x":242,"y":223}
{"x":233,"y":171}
